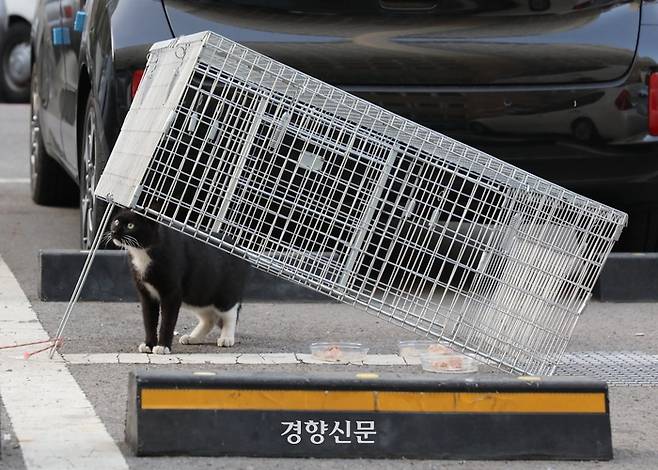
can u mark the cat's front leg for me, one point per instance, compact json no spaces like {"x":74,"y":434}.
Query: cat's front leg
{"x":170,"y":307}
{"x":150,"y":312}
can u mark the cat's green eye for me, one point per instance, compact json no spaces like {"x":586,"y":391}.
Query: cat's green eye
{"x":130,"y":226}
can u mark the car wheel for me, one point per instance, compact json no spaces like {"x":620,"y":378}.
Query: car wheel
{"x":91,"y":208}
{"x":49,"y":183}
{"x":15,"y":61}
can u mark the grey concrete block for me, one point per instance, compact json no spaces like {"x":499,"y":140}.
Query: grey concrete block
{"x":629,"y":277}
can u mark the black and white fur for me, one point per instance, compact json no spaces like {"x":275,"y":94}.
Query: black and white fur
{"x":171,"y":270}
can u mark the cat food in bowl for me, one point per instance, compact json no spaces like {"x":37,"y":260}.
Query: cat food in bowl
{"x":412,"y":349}
{"x":339,"y":352}
{"x":448,"y":363}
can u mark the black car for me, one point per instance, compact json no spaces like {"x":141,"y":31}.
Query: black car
{"x":567,"y":89}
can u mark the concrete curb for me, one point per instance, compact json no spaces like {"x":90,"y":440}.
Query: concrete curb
{"x":109,"y":280}
{"x":226,"y":358}
{"x":626,"y":277}
{"x":367,"y":415}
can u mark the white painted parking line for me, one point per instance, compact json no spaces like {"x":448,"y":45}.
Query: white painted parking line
{"x":55,"y":424}
{"x":14,"y":180}
{"x":229,"y":359}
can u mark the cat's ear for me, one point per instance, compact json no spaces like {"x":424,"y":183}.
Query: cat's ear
{"x":115,"y":213}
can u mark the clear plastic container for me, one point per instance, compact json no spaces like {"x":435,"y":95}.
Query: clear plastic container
{"x":339,"y":351}
{"x":448,"y":363}
{"x":412,"y":349}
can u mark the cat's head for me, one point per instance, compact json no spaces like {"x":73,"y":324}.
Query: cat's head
{"x":129,"y":229}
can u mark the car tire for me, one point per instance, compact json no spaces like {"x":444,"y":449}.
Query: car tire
{"x":90,"y":164}
{"x":15,"y":64}
{"x":50,"y":185}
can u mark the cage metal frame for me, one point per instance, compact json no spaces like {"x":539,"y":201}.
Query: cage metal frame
{"x":320,"y":187}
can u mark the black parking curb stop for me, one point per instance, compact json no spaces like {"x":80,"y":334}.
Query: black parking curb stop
{"x":109,"y":280}
{"x":629,"y":277}
{"x":367,"y":416}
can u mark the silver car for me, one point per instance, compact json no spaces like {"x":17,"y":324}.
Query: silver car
{"x":15,"y":66}
{"x":3,"y":24}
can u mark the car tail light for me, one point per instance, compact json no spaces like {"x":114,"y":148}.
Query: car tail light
{"x":653,"y":104}
{"x":623,"y":101}
{"x":134,"y":83}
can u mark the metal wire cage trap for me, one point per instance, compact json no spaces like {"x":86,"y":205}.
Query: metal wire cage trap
{"x":315,"y":185}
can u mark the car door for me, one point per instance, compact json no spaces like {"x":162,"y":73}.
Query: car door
{"x":71,"y":65}
{"x":50,"y":75}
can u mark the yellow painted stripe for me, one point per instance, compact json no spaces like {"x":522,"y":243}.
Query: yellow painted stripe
{"x":345,"y":400}
{"x":256,"y":400}
{"x":491,"y":402}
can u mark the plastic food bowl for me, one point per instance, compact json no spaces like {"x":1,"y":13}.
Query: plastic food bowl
{"x":414,"y":348}
{"x":339,"y":352}
{"x":448,"y":363}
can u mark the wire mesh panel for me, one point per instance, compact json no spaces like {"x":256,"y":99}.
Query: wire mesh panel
{"x":317,"y":186}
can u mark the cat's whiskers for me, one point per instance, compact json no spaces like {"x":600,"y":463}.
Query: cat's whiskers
{"x":106,"y":238}
{"x":132,"y":241}
{"x":121,"y":242}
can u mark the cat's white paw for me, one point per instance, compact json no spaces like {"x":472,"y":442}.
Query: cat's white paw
{"x":161,"y":350}
{"x":225,"y":341}
{"x":189,"y":339}
{"x":143,"y":348}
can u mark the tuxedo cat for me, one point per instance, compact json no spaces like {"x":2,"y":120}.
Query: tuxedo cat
{"x":171,"y":269}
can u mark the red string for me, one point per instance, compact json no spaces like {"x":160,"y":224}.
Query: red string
{"x":57,"y":342}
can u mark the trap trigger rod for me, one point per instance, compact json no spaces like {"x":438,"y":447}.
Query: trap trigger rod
{"x":83,"y":276}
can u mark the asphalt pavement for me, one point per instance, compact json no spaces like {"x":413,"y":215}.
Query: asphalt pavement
{"x":266,"y":328}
